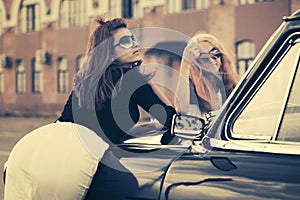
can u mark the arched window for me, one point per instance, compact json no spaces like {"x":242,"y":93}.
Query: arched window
{"x":72,"y":13}
{"x":63,"y":75}
{"x":79,"y":61}
{"x":245,"y":53}
{"x":29,"y":16}
{"x":20,"y":77}
{"x":1,"y":80}
{"x":37,"y":77}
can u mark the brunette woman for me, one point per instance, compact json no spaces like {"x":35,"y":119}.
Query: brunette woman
{"x":71,"y":159}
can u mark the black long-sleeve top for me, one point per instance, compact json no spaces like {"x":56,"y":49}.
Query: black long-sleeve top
{"x":119,"y":113}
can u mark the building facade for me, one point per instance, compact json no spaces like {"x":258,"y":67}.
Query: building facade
{"x":42,"y":42}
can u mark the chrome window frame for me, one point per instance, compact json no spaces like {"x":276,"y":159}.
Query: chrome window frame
{"x":252,"y":91}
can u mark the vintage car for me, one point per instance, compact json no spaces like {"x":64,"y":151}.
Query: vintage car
{"x":249,"y":149}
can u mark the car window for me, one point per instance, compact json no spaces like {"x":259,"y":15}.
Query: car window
{"x":261,"y":115}
{"x":290,"y":126}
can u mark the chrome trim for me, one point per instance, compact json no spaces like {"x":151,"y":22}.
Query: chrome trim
{"x":258,"y":146}
{"x":290,"y":18}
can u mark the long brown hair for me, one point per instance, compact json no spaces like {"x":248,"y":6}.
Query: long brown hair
{"x":227,"y":71}
{"x":93,"y":82}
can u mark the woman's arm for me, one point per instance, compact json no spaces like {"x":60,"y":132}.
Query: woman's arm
{"x":182,"y":94}
{"x":149,"y":101}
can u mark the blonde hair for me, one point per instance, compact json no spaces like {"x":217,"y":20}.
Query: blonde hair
{"x":227,"y":71}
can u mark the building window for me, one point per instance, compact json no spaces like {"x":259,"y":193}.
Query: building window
{"x":177,"y":6}
{"x":245,"y":52}
{"x":20,"y":77}
{"x":219,"y":2}
{"x":127,"y":9}
{"x":37,"y":77}
{"x":188,"y":4}
{"x":130,"y":8}
{"x":29,"y":17}
{"x":79,"y":61}
{"x":1,"y":80}
{"x":137,"y":11}
{"x":95,"y":3}
{"x":72,"y":13}
{"x":63,"y":75}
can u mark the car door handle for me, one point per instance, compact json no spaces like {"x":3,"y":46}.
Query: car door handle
{"x":222,"y":163}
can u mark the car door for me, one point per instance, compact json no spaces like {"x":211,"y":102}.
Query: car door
{"x":144,"y":159}
{"x":253,"y":150}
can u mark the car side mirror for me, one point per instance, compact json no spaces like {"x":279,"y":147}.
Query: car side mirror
{"x":187,"y":126}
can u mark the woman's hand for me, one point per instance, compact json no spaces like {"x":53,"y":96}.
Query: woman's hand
{"x":199,"y":58}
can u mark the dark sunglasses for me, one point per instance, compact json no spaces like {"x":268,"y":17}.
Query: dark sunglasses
{"x":126,"y":41}
{"x":209,"y":58}
{"x":215,"y":53}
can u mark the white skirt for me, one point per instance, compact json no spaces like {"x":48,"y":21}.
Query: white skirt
{"x":56,"y":161}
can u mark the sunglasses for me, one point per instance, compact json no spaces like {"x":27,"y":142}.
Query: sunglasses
{"x":126,"y":41}
{"x":215,"y":53}
{"x":209,"y":58}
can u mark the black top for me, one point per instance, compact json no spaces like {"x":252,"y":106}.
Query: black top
{"x":120,"y":113}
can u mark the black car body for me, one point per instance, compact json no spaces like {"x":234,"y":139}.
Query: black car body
{"x":251,"y":148}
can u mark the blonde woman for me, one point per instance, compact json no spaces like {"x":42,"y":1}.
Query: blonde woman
{"x":207,"y":75}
